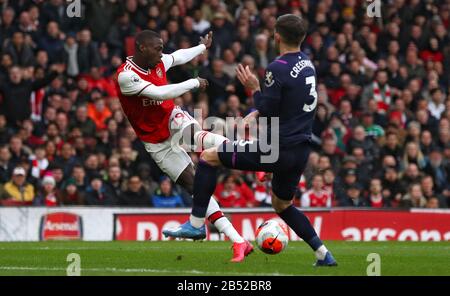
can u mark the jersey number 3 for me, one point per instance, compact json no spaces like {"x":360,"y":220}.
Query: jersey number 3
{"x":311,"y":80}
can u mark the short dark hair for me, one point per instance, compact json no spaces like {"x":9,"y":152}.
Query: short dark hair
{"x":145,"y":35}
{"x":291,"y":28}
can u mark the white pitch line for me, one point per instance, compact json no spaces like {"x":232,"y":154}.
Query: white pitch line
{"x":79,"y":248}
{"x":133,"y":270}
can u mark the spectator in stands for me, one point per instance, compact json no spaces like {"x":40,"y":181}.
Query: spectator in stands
{"x":19,"y":152}
{"x":353,"y":197}
{"x":114,"y":181}
{"x":17,"y":191}
{"x":223,"y":34}
{"x":83,"y":122}
{"x":48,"y":194}
{"x":16,"y":93}
{"x":66,"y":158}
{"x":144,"y":171}
{"x":70,"y":195}
{"x":414,"y":198}
{"x":432,"y":203}
{"x":391,"y":146}
{"x":97,"y":193}
{"x":329,"y":179}
{"x":439,"y":170}
{"x":436,"y":105}
{"x":135,"y":195}
{"x":118,"y":33}
{"x":379,"y":90}
{"x":53,"y":44}
{"x":316,"y":196}
{"x":392,"y":191}
{"x":165,"y":196}
{"x":20,"y":51}
{"x":5,"y":166}
{"x":429,"y":190}
{"x":99,"y":113}
{"x":79,"y":176}
{"x":87,"y":52}
{"x":426,"y":143}
{"x":219,"y":82}
{"x":348,"y":179}
{"x":329,"y":147}
{"x":413,"y":154}
{"x":375,"y":198}
{"x":232,"y":192}
{"x":39,"y":162}
{"x":71,"y":52}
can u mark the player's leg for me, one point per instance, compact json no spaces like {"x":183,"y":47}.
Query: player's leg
{"x":235,"y":155}
{"x":186,"y":129}
{"x":213,"y":211}
{"x":283,"y":188}
{"x":241,"y":247}
{"x":197,"y":138}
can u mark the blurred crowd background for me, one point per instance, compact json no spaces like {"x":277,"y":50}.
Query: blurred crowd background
{"x":381,"y":132}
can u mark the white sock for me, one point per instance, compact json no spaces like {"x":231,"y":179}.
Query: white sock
{"x":196,"y":221}
{"x":205,"y":140}
{"x":321,"y":252}
{"x":222,"y":224}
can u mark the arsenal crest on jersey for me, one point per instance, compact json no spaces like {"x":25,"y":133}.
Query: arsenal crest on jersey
{"x":159,"y":72}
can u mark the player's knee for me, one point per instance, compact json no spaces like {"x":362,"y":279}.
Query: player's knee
{"x":279,"y":205}
{"x":210,"y":156}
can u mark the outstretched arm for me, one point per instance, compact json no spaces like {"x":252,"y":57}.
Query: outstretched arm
{"x":132,"y":85}
{"x":183,"y":56}
{"x":55,"y":69}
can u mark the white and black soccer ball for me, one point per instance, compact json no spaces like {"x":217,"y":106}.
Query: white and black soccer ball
{"x":272,"y":237}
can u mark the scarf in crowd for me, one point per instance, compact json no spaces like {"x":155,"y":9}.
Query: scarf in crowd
{"x":36,"y":100}
{"x":383,"y":104}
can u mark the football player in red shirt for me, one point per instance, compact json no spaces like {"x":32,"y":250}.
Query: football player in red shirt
{"x":147,"y":101}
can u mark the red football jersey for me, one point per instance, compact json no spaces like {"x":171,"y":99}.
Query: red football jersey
{"x":148,"y":117}
{"x":313,"y":199}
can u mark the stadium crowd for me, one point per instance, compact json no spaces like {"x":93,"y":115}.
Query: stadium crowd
{"x":382,"y":129}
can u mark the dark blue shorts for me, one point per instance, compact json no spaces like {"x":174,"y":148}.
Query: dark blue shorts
{"x":287,"y":169}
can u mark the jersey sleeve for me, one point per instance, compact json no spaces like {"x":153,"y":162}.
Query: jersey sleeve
{"x":182,"y":56}
{"x":131,"y":84}
{"x":168,"y":61}
{"x":267,"y":102}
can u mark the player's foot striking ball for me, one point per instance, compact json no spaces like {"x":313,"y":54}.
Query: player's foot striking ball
{"x":289,"y":95}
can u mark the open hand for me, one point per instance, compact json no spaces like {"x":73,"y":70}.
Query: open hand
{"x":207,"y":40}
{"x":247,"y":78}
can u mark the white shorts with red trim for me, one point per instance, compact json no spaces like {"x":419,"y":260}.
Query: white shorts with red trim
{"x":171,"y":158}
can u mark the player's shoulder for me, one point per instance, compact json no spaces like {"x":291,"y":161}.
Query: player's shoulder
{"x":127,"y":76}
{"x":276,"y":71}
{"x":125,"y":70}
{"x":279,"y":65}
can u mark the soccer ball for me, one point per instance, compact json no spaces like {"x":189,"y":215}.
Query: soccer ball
{"x":272,"y":237}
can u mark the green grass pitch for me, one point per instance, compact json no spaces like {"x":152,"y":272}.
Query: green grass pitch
{"x":212,"y":258}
